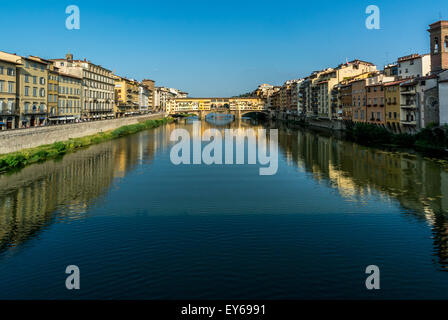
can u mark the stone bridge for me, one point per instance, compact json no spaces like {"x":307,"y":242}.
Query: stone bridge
{"x":202,"y":107}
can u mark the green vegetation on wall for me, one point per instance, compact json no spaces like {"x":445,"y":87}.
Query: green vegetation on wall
{"x":20,"y":159}
{"x":432,"y":138}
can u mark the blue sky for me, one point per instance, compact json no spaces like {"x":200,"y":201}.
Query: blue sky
{"x":219,"y":48}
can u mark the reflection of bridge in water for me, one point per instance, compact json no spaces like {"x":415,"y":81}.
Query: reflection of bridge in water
{"x":202,"y":107}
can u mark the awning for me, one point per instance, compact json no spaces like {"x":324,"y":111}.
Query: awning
{"x":2,"y":123}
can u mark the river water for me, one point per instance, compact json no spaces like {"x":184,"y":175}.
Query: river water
{"x":140,"y":227}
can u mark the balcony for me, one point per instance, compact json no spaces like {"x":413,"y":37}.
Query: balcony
{"x":35,"y":111}
{"x":408,"y":122}
{"x":8,"y":112}
{"x":409,"y":105}
{"x":408,"y":91}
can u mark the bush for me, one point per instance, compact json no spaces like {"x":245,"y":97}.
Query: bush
{"x":60,"y":147}
{"x":403,"y":139}
{"x":15,"y":161}
{"x":39,"y":156}
{"x":434,"y":138}
{"x":367,"y":133}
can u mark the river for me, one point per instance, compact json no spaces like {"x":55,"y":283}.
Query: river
{"x":140,"y":227}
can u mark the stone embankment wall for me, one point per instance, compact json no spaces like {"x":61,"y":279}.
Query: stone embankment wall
{"x":15,"y":140}
{"x":317,"y":123}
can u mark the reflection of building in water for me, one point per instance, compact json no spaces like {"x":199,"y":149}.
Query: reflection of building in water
{"x":29,"y":197}
{"x":419,"y":184}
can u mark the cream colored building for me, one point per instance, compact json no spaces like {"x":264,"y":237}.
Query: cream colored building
{"x":329,"y":78}
{"x":69,"y":99}
{"x":98,"y":87}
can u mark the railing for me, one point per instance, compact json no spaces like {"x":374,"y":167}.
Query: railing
{"x":82,"y":121}
{"x":2,"y":111}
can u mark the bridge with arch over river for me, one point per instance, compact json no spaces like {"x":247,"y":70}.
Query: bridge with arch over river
{"x":202,"y":107}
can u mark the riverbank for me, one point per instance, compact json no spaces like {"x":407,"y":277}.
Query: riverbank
{"x":17,"y":160}
{"x":431,"y":141}
{"x":20,"y":139}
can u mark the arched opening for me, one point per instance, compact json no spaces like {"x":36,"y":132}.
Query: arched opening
{"x":436,"y":45}
{"x":446,"y":43}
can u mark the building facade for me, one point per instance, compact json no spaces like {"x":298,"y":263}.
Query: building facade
{"x":9,"y":115}
{"x":392,"y":105}
{"x":414,"y":66}
{"x":127,"y":96}
{"x":69,"y":99}
{"x":443,"y":97}
{"x":32,"y":92}
{"x":53,"y":93}
{"x":98,"y":92}
{"x":150,"y":85}
{"x":375,"y":110}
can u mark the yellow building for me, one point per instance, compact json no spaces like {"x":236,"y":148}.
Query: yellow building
{"x":52,"y":102}
{"x":69,"y":98}
{"x":126,"y":96}
{"x":32,"y":91}
{"x":392,"y":100}
{"x":9,"y":115}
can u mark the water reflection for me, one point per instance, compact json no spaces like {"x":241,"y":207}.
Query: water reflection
{"x":64,"y":189}
{"x":33,"y":198}
{"x":419,"y":184}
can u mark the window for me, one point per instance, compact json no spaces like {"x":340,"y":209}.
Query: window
{"x":390,"y":115}
{"x":34,"y":92}
{"x":436,"y":45}
{"x":27,"y":91}
{"x":378,"y":116}
{"x":11,"y":87}
{"x":446,"y":43}
{"x":42,"y":92}
{"x":42,"y":80}
{"x":10,"y":72}
{"x":34,"y":80}
{"x":1,"y":69}
{"x":2,"y":86}
{"x":27,"y":78}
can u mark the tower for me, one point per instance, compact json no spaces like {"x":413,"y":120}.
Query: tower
{"x":69,"y":57}
{"x":438,"y":33}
